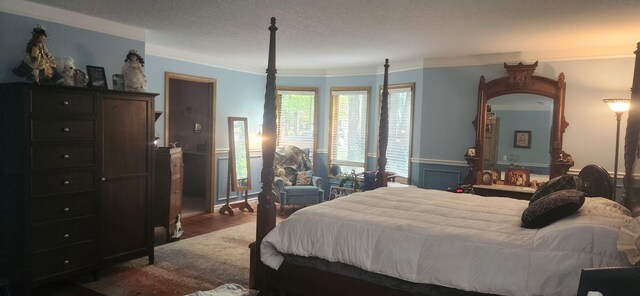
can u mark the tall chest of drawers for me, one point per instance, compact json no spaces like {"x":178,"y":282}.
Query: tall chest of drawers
{"x":76,"y":180}
{"x":167,"y":203}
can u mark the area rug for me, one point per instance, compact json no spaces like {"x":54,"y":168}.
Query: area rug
{"x":187,"y":266}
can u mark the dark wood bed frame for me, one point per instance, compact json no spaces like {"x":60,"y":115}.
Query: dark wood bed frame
{"x":291,"y":279}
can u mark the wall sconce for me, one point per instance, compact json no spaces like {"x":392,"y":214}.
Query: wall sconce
{"x":618,"y":106}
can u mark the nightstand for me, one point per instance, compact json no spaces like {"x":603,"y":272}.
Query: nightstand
{"x":610,"y":281}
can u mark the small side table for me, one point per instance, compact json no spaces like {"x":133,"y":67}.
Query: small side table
{"x":4,"y":287}
{"x":610,"y":280}
{"x":336,"y":191}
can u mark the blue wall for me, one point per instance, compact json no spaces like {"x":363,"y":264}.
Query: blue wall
{"x":444,"y":108}
{"x":85,"y":47}
{"x":538,"y":123}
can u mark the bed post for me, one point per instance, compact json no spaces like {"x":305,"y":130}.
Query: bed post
{"x":631,"y":197}
{"x":383,"y":133}
{"x":266,"y":212}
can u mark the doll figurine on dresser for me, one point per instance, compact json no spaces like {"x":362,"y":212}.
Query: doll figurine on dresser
{"x":38,"y":64}
{"x":133,"y":72}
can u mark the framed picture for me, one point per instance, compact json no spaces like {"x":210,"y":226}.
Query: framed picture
{"x":516,"y":177}
{"x":118,"y":81}
{"x":522,"y":139}
{"x":97,"y":78}
{"x":471,"y":152}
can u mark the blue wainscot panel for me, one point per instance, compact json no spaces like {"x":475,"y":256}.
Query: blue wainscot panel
{"x":442,"y":177}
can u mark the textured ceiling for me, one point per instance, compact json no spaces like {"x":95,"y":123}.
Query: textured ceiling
{"x":342,"y":34}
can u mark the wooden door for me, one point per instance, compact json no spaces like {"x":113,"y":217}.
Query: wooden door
{"x":127,"y":143}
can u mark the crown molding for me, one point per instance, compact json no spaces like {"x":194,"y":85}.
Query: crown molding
{"x":196,"y":58}
{"x":70,"y":18}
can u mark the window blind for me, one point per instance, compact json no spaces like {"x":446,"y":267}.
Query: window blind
{"x":349,"y":129}
{"x":400,"y":117}
{"x":295,"y":111}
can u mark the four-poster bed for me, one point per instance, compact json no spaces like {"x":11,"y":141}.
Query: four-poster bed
{"x":308,"y":273}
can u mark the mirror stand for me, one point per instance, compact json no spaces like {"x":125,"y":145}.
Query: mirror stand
{"x":239,"y":175}
{"x":228,"y":208}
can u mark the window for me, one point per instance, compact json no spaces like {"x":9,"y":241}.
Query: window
{"x":400,"y":129}
{"x":296,"y":118}
{"x":348,"y":139}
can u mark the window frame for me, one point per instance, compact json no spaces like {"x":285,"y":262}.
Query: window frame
{"x":412,"y":86}
{"x":366,"y":89}
{"x":315,"y":90}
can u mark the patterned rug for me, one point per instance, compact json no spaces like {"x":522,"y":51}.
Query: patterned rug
{"x":183,"y":267}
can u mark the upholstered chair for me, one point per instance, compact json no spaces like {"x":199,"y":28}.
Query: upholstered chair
{"x":294,"y":183}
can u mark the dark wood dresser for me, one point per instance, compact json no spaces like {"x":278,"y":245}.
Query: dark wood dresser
{"x":76,"y":180}
{"x":169,"y":179}
{"x":517,"y":192}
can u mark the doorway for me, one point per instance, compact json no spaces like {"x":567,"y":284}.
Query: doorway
{"x":190,"y":107}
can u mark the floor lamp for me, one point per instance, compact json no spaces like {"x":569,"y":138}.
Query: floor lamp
{"x":619,"y":106}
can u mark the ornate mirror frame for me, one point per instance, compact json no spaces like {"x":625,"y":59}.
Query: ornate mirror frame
{"x":520,"y":80}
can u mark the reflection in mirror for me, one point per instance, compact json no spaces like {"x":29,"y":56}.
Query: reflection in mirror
{"x":519,"y":112}
{"x":240,"y":155}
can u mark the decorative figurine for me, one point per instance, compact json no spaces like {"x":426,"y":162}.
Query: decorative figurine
{"x":72,"y":76}
{"x":67,"y":72}
{"x":133,"y":72}
{"x":38,"y":65}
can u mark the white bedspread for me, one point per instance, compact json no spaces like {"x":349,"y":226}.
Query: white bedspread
{"x":461,"y":241}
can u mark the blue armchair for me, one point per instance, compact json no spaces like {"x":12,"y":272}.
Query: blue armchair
{"x":294,"y":183}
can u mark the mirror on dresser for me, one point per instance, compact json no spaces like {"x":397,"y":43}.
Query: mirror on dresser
{"x":527,"y":116}
{"x":239,"y":177}
{"x":519,"y":126}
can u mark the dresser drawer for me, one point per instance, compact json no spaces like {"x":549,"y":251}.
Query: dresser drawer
{"x":66,"y":182}
{"x":49,"y":263}
{"x":63,"y":156}
{"x":63,"y":233}
{"x":62,"y":130}
{"x":176,"y":166}
{"x":61,"y":207}
{"x":62,"y":103}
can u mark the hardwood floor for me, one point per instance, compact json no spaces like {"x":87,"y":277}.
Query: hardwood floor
{"x":192,"y":225}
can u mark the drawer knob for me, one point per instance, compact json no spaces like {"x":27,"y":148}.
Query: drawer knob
{"x":65,"y":103}
{"x":66,"y":210}
{"x":66,"y":262}
{"x":66,"y":235}
{"x":66,"y":129}
{"x":103,"y":179}
{"x":66,"y":182}
{"x":65,"y":156}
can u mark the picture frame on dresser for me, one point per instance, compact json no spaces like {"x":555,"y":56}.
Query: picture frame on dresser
{"x":97,"y":77}
{"x":517,"y":177}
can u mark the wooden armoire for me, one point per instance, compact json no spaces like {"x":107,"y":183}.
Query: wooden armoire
{"x":76,"y":186}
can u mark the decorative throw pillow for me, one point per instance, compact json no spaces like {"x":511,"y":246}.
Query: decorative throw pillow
{"x":552,"y":207}
{"x":303,"y":178}
{"x":553,"y":185}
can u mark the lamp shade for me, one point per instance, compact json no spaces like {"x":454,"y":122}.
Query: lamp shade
{"x":618,"y":105}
